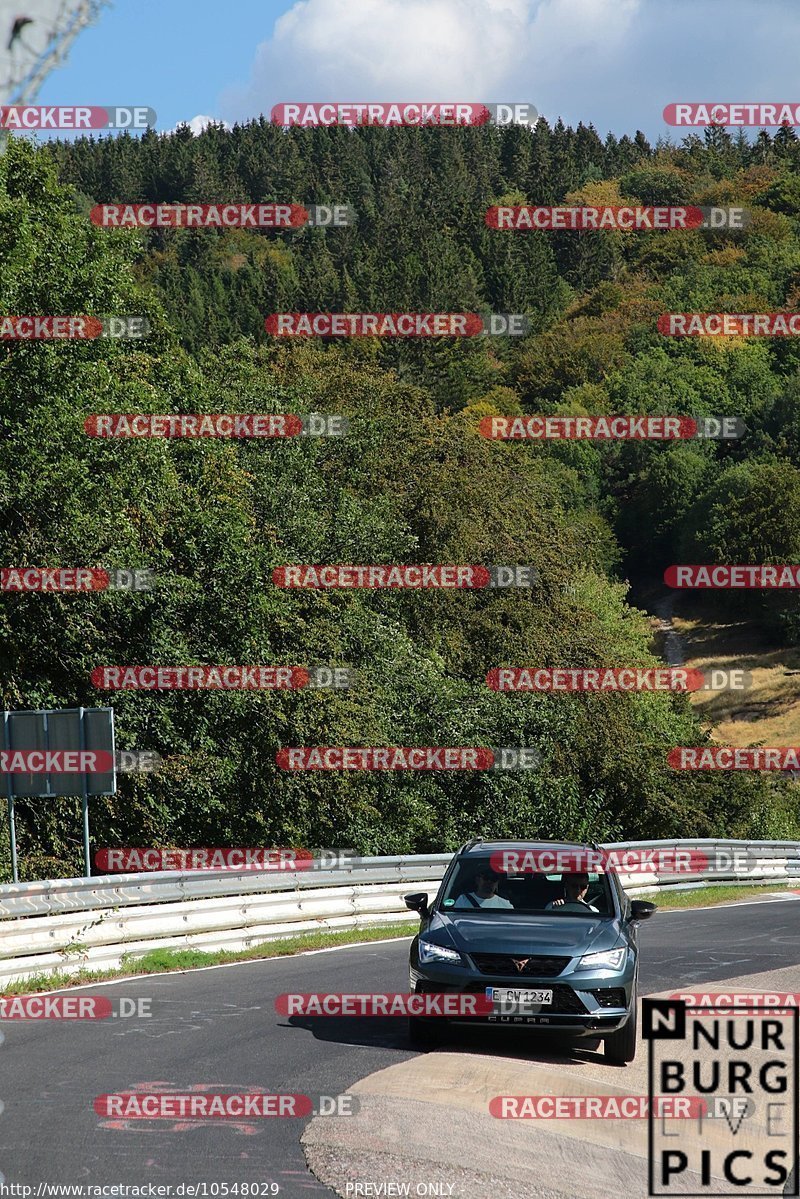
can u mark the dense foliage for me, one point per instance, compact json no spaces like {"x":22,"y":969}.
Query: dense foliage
{"x":413,"y":481}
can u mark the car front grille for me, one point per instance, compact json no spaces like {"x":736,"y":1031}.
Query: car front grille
{"x":610,"y":997}
{"x":535,"y":967}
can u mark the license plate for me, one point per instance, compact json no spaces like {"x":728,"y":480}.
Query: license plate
{"x":503,"y":996}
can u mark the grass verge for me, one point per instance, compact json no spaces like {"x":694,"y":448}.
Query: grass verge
{"x":160,"y":961}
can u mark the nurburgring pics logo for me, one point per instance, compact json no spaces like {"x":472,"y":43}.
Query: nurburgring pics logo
{"x":609,"y":428}
{"x":740,"y":113}
{"x":431,"y":757}
{"x":216,"y":424}
{"x":222,"y":216}
{"x":396,"y":324}
{"x":522,"y":218}
{"x":74,"y":578}
{"x":411,"y":113}
{"x":220,"y":678}
{"x":135,"y":861}
{"x":785,"y":575}
{"x":71,"y":328}
{"x":75,"y":116}
{"x":616,"y":678}
{"x":729,"y":324}
{"x":412,"y":577}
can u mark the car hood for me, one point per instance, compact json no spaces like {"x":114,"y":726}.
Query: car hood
{"x":565,"y":935}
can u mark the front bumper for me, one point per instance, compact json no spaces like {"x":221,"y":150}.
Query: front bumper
{"x":585,"y":1004}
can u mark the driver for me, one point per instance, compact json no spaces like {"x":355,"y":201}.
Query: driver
{"x":575,"y":888}
{"x":485,"y":893}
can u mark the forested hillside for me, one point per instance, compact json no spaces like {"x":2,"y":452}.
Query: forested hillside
{"x":412,"y":482}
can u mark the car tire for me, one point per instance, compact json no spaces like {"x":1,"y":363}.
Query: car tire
{"x":424,"y":1033}
{"x":620,"y":1047}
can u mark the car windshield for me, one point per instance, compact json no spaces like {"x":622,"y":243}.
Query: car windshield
{"x":476,"y":886}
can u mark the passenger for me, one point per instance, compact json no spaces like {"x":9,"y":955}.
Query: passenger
{"x":485,"y":893}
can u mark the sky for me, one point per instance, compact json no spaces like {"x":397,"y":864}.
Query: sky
{"x":614,"y":63}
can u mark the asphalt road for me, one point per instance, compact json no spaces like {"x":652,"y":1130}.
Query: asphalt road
{"x":217,"y":1029}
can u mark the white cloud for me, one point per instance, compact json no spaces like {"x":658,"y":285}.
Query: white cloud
{"x":199,"y":123}
{"x":480,"y":50}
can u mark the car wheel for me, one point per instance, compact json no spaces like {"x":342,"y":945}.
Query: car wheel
{"x":424,"y":1033}
{"x":620,"y":1047}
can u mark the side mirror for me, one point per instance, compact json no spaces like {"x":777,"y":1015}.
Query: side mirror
{"x":641,"y":909}
{"x":418,"y":902}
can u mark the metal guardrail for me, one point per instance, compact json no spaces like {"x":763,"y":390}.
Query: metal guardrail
{"x":67,"y":924}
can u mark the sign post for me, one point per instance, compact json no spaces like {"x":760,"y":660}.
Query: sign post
{"x":84,"y":731}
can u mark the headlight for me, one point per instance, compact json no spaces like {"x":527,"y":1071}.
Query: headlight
{"x":428,"y":952}
{"x":610,"y":959}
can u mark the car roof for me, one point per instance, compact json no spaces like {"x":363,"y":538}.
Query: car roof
{"x":478,"y":847}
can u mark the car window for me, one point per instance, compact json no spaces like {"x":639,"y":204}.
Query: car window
{"x":469,"y":890}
